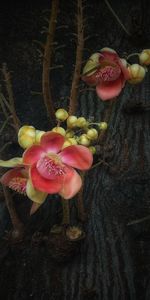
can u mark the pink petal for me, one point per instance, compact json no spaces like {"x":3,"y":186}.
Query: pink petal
{"x":42,"y":184}
{"x":71,"y":185}
{"x":110,"y":55}
{"x":32,"y":154}
{"x":52,"y":141}
{"x":77,"y":156}
{"x":50,"y":167}
{"x":9,"y":175}
{"x":124,"y":70}
{"x":92,"y":79}
{"x":16,"y":180}
{"x":108,"y":91}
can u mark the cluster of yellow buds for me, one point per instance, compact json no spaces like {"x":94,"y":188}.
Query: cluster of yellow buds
{"x":137,"y":71}
{"x":76,"y":130}
{"x":28,"y":135}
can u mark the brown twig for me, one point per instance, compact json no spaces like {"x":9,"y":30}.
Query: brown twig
{"x":81,"y":209}
{"x":79,"y":56}
{"x":107,"y":117}
{"x":17,"y":224}
{"x":47,"y":61}
{"x":7,"y":79}
{"x":66,"y":211}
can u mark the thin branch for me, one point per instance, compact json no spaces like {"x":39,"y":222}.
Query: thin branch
{"x":7,"y":79}
{"x":66,"y":211}
{"x":79,"y":58}
{"x":47,"y":61}
{"x":116,"y":17}
{"x":81,"y":209}
{"x":17,"y":224}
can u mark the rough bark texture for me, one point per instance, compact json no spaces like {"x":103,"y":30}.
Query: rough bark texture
{"x":113,"y":261}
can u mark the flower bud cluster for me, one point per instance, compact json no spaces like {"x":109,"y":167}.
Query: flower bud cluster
{"x":79,"y":130}
{"x":76,"y":130}
{"x":138,"y":71}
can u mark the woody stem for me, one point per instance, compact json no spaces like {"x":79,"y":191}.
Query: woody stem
{"x":80,"y":204}
{"x":78,"y":63}
{"x":17,"y":224}
{"x":66,"y":211}
{"x":47,"y":61}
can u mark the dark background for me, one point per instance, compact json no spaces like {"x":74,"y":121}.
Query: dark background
{"x":114,"y":260}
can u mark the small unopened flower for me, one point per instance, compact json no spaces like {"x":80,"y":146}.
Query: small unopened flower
{"x":26,"y":136}
{"x":60,"y":130}
{"x":108,"y":73}
{"x":137,"y":73}
{"x":144,"y":57}
{"x":84,"y":140}
{"x":38,"y":135}
{"x":72,"y":122}
{"x":103,"y":125}
{"x":81,"y":122}
{"x":92,"y":134}
{"x":61,"y":114}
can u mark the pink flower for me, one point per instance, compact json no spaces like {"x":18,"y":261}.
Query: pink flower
{"x":45,"y":169}
{"x":109,"y":73}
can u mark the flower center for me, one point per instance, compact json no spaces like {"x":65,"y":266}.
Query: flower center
{"x":108,"y":73}
{"x":50,"y":167}
{"x":18,"y":184}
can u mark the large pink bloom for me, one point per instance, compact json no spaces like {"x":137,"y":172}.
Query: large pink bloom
{"x":48,"y":169}
{"x":109,"y":73}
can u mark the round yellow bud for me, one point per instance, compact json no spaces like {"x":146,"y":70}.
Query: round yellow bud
{"x":83,"y":140}
{"x":38,"y":135}
{"x":92,"y":149}
{"x":73,"y":141}
{"x":103,"y":125}
{"x":81,"y":122}
{"x":67,"y":143}
{"x":144,"y":57}
{"x":60,"y":130}
{"x":61,"y":114}
{"x":92,"y":134}
{"x":72,"y":122}
{"x":137,"y":73}
{"x":28,"y":130}
{"x":70,"y":134}
{"x":26,"y":141}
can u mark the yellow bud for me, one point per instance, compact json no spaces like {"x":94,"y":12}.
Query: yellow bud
{"x":144,"y":57}
{"x":60,"y":130}
{"x":71,"y":122}
{"x":73,"y":141}
{"x":81,"y":122}
{"x":92,"y":134}
{"x":92,"y":149}
{"x":70,"y":134}
{"x":61,"y":114}
{"x":28,"y":130}
{"x":137,"y":73}
{"x":103,"y":125}
{"x":83,"y":140}
{"x":26,"y":141}
{"x":38,"y":135}
{"x":67,"y":143}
